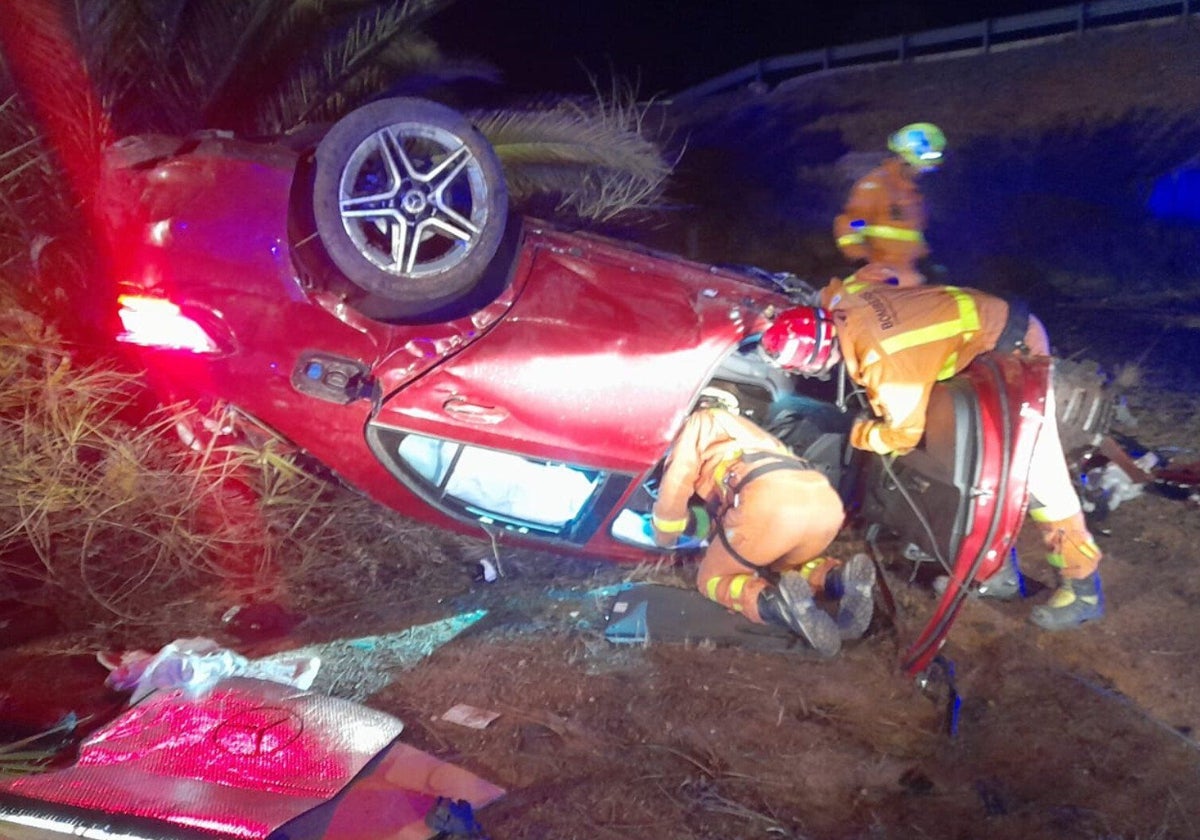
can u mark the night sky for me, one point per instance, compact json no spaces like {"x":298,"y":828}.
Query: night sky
{"x":667,"y":45}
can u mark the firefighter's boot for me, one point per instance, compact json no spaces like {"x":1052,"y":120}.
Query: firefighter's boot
{"x":790,"y":604}
{"x":1072,"y":604}
{"x":853,"y":584}
{"x":1005,"y":584}
{"x":1070,"y":549}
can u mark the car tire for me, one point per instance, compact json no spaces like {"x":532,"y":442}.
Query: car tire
{"x":409,"y":203}
{"x":1085,"y":406}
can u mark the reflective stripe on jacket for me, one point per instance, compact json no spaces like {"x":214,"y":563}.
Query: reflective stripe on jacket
{"x":897,"y":342}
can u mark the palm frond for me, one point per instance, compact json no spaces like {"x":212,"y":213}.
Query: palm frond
{"x":33,"y":203}
{"x":405,"y":71}
{"x":125,"y":48}
{"x":322,"y":93}
{"x":595,"y":159}
{"x":305,"y":18}
{"x":374,"y":48}
{"x":214,"y":38}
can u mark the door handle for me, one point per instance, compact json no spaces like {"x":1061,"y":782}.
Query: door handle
{"x":464,"y":409}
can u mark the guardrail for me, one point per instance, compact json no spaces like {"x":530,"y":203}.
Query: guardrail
{"x":965,"y":38}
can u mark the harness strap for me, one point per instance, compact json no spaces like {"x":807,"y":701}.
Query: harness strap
{"x":762,"y":571}
{"x":785,"y":463}
{"x":1012,"y":337}
{"x":779,"y":461}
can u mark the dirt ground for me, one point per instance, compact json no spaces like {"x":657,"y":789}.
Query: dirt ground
{"x":1086,"y":734}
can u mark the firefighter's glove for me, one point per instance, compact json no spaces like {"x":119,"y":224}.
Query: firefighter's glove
{"x":878,"y":436}
{"x":867,"y":434}
{"x":695,"y":535}
{"x":699,"y":523}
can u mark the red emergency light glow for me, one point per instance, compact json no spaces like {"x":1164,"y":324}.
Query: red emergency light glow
{"x":157,"y":322}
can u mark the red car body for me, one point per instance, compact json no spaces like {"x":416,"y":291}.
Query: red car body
{"x":591,"y":355}
{"x":577,"y":368}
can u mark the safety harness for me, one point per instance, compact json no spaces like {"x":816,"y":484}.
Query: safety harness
{"x":1012,"y":337}
{"x":766,"y":462}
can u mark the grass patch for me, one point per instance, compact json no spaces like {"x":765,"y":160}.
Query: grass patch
{"x":110,"y":521}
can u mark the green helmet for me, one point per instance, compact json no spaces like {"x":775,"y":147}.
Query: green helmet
{"x":920,"y":145}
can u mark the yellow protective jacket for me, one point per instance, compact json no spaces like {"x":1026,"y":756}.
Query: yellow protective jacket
{"x":711,"y":441}
{"x":898,"y":341}
{"x":884,"y":217}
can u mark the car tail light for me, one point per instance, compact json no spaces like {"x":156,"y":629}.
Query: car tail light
{"x":157,"y":322}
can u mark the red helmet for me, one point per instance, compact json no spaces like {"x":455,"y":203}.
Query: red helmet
{"x":800,"y":340}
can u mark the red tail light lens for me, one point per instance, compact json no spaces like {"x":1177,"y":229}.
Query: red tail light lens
{"x":157,"y":322}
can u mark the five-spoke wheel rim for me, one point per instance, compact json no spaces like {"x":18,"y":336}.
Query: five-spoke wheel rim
{"x":413,"y":199}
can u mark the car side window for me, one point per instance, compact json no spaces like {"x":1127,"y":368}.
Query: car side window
{"x":509,"y":488}
{"x":430,"y":457}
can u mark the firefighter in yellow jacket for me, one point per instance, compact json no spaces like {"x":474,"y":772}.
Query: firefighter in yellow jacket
{"x":896,"y":343}
{"x":884,"y":217}
{"x":772,"y":514}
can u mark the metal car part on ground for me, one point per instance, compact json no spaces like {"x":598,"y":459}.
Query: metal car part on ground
{"x":247,"y":759}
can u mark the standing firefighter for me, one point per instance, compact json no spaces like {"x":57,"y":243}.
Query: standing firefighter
{"x":896,"y":343}
{"x":884,"y":217}
{"x":772,"y":515}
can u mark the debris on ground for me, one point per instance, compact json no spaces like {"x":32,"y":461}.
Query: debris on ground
{"x":469,"y":716}
{"x":257,"y":757}
{"x":454,"y":818}
{"x":1179,"y":481}
{"x":1108,"y":486}
{"x":354,"y":669}
{"x":197,"y":665}
{"x":1121,"y":470}
{"x":258,"y":622}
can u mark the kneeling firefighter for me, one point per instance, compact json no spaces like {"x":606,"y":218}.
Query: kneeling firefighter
{"x":896,"y":342}
{"x":772,"y":514}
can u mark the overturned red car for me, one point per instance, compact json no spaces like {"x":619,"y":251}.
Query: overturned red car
{"x":366,"y":294}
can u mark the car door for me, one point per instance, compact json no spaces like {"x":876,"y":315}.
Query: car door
{"x":592,"y":370}
{"x":961,"y":495}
